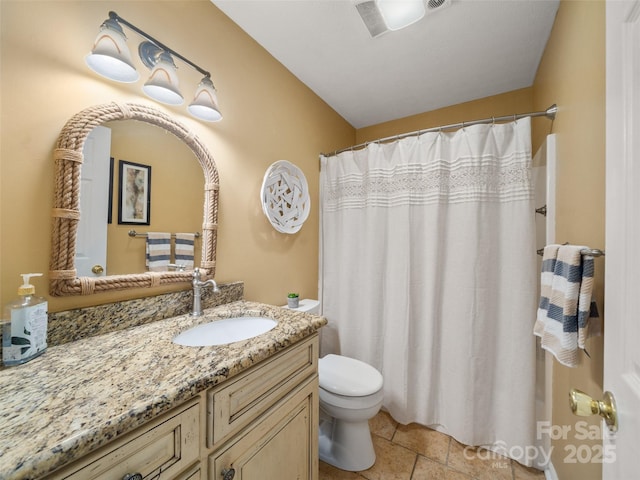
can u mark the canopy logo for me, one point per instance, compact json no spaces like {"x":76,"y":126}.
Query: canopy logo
{"x":577,"y":452}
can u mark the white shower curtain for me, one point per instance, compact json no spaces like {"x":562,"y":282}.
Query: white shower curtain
{"x":428,"y":273}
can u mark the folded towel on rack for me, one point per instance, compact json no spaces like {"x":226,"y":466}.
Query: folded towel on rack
{"x":158,"y":251}
{"x":567,"y":315}
{"x":185,"y":249}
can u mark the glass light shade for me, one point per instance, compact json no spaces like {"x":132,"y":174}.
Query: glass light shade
{"x":110,"y":56}
{"x":398,"y":14}
{"x":205,"y":102}
{"x":163,"y":82}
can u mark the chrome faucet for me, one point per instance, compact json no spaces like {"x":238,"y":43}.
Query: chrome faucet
{"x":197,"y":285}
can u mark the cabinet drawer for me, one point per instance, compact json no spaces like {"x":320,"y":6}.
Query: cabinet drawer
{"x":167,"y":446}
{"x":235,"y":403}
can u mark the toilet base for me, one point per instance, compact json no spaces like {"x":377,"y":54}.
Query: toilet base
{"x":346,"y":445}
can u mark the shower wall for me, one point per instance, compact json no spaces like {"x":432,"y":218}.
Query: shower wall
{"x":544,"y":180}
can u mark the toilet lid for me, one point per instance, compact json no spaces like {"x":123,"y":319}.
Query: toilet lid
{"x":348,"y":376}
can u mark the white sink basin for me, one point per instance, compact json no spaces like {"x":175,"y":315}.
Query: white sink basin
{"x":227,"y":330}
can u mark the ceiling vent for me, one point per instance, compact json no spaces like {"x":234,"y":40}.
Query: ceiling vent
{"x":433,"y":5}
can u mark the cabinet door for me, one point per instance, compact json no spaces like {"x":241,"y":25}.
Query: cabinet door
{"x":282,"y":445}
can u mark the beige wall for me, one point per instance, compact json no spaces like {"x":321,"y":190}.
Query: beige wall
{"x":268,"y":115}
{"x":517,"y":101}
{"x":572,"y":74}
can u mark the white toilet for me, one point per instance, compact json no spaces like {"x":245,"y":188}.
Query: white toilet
{"x":350,"y":394}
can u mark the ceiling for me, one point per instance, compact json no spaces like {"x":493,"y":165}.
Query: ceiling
{"x":466,"y":50}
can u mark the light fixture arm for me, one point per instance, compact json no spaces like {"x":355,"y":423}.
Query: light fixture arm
{"x":119,"y":19}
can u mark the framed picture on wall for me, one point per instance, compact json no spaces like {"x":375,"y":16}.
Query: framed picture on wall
{"x":110,"y":204}
{"x":134,"y":193}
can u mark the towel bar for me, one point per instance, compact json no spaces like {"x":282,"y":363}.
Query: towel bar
{"x":133,"y":233}
{"x":594,"y":252}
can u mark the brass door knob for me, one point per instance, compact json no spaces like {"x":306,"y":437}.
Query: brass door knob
{"x":584,"y":406}
{"x":97,"y":269}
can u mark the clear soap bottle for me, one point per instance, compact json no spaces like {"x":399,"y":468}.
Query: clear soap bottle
{"x":24,"y":325}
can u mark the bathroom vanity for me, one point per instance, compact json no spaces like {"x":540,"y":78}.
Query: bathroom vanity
{"x":114,"y":397}
{"x":132,"y":404}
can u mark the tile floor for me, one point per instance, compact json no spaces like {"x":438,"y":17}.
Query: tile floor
{"x":414,"y":452}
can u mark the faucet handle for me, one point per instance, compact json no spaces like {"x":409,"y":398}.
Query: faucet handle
{"x":196,"y":274}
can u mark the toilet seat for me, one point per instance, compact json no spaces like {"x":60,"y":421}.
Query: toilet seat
{"x":348,"y":377}
{"x":351,"y":403}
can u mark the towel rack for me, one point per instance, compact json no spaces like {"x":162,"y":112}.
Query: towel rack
{"x":133,"y":233}
{"x":594,"y":252}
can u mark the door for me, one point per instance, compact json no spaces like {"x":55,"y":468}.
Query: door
{"x":281,"y":445}
{"x":91,"y":243}
{"x":622,"y":280}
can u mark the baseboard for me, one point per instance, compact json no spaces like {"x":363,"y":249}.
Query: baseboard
{"x":550,"y":472}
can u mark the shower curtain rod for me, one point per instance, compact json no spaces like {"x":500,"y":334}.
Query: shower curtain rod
{"x":550,"y":113}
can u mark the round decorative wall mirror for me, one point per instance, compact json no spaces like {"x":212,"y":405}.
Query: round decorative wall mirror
{"x":68,"y":157}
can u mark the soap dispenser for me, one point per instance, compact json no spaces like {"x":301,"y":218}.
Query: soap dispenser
{"x":24,"y":325}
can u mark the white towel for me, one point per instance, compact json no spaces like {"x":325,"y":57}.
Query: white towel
{"x":567,"y":315}
{"x":185,"y":249}
{"x":158,"y":252}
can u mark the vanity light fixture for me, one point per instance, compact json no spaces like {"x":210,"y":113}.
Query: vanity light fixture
{"x":110,"y":57}
{"x":163,"y":81}
{"x":205,"y":102}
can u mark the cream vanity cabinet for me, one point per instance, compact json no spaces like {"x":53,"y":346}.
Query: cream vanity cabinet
{"x":259,"y":425}
{"x":263,"y":424}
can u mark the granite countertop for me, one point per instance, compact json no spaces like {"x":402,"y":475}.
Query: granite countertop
{"x":80,"y":395}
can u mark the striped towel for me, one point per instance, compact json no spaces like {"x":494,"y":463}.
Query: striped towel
{"x":184,"y":249}
{"x":567,"y":315}
{"x":158,"y":251}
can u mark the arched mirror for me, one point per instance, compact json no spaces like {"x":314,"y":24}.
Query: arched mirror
{"x":68,"y":156}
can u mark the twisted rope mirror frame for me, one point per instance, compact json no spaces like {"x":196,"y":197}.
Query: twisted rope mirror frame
{"x":68,"y":157}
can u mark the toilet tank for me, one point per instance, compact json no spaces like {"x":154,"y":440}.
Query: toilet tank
{"x":308,"y":305}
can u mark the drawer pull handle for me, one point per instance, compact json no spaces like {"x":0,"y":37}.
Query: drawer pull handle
{"x":132,"y":476}
{"x":228,"y":474}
